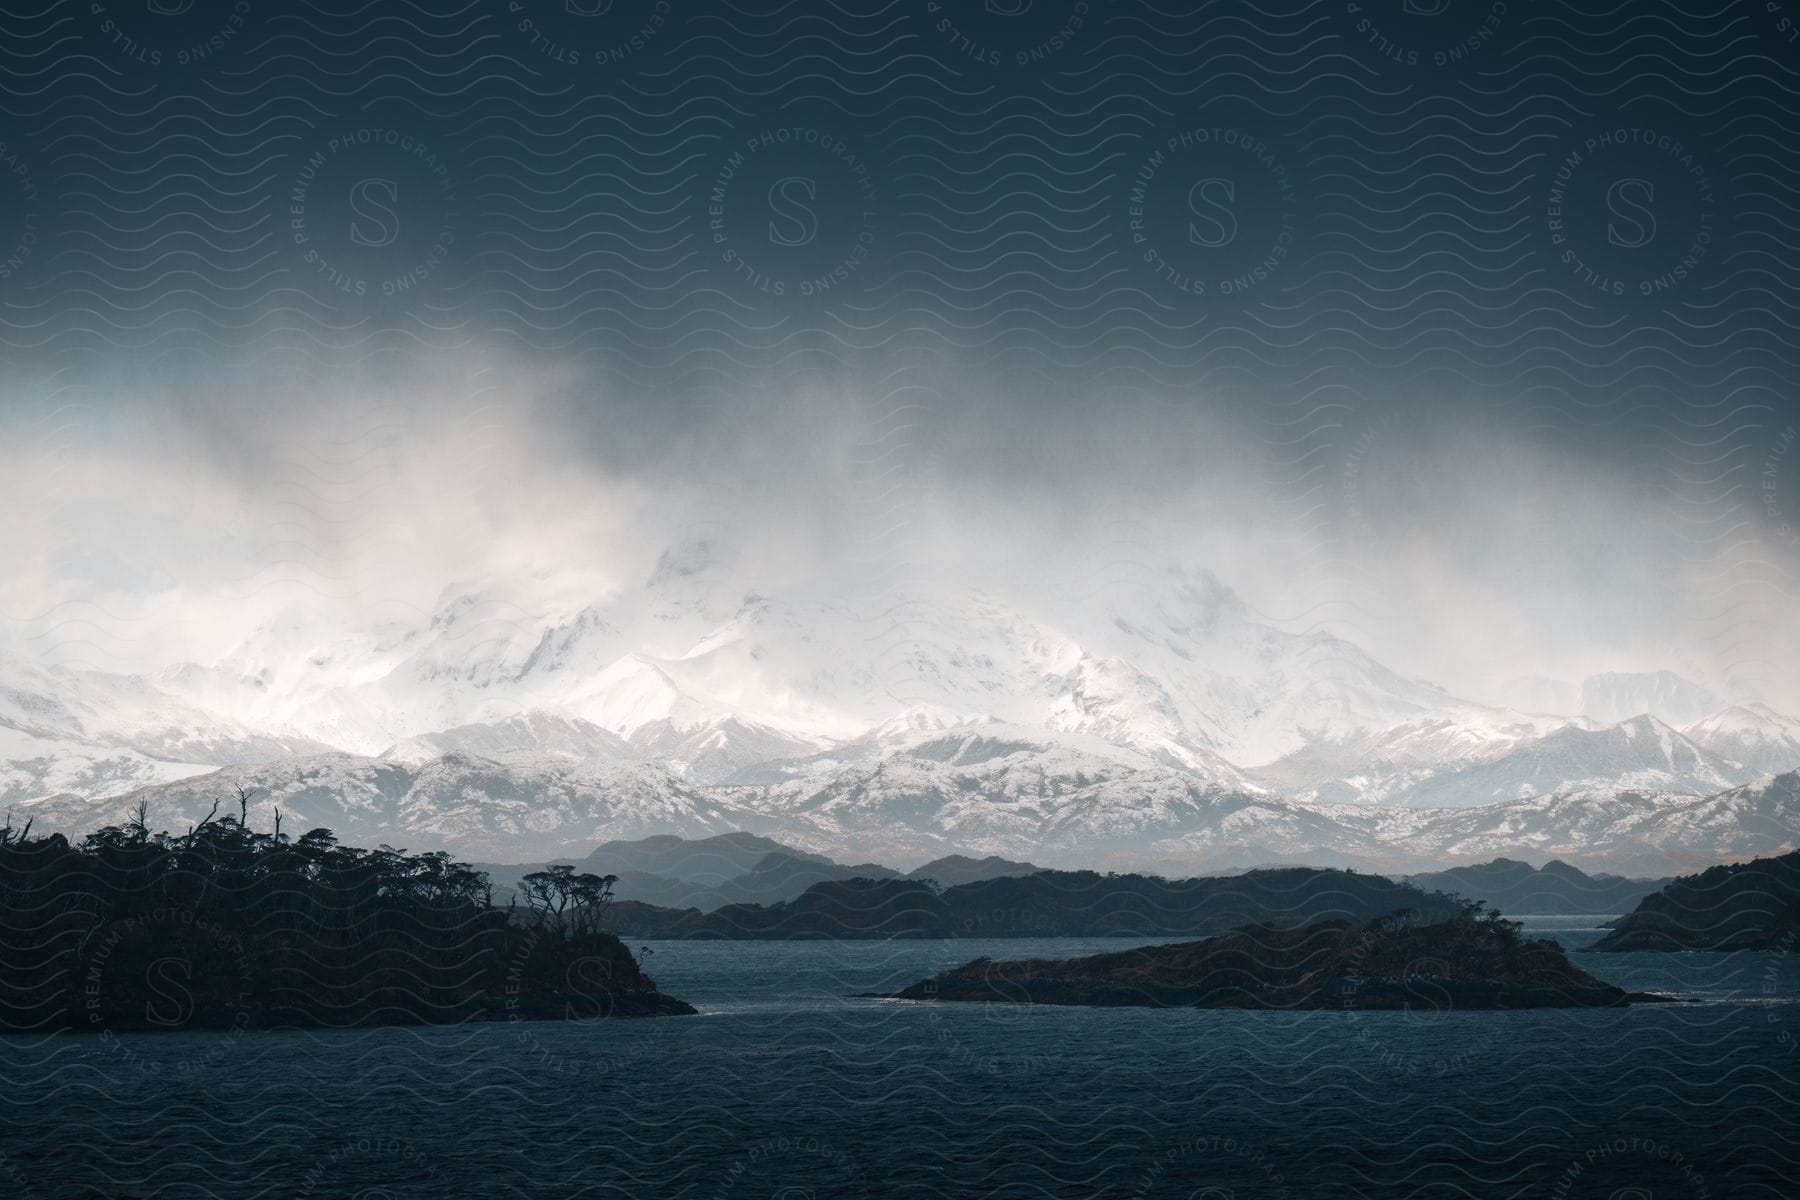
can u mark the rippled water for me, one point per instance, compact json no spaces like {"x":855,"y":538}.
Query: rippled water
{"x":787,"y":1088}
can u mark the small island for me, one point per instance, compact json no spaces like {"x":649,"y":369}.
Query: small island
{"x":228,"y":928}
{"x":1475,"y":960}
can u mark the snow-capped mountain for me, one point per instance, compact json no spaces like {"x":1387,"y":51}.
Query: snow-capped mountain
{"x":1173,"y":723}
{"x":1752,"y":734}
{"x":528,"y":735}
{"x":1622,"y":830}
{"x":32,"y":766}
{"x":1388,"y":765}
{"x":130,"y":713}
{"x":63,"y":730}
{"x":476,"y":806}
{"x":717,"y":750}
{"x":931,"y":734}
{"x":985,"y":794}
{"x":1189,"y":678}
{"x":994,"y":792}
{"x":988,"y":791}
{"x":1640,"y":754}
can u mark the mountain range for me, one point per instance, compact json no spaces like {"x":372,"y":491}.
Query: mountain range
{"x":1173,"y":725}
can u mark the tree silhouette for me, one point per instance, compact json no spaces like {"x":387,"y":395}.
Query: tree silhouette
{"x":267,"y":929}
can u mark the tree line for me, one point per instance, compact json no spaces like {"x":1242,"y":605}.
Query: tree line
{"x":224,"y":925}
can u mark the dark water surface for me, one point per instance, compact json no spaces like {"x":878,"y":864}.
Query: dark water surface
{"x":785,"y":1088}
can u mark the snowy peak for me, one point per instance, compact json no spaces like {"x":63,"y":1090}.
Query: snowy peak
{"x":1156,"y":703}
{"x":1641,"y":753}
{"x":131,"y":714}
{"x":630,"y":694}
{"x":719,"y":750}
{"x":1669,"y":741}
{"x":904,"y":744}
{"x":1109,"y":698}
{"x":571,"y":645}
{"x":1388,"y":766}
{"x":919,"y":718}
{"x":1753,"y":734}
{"x":997,"y":789}
{"x":1755,"y":719}
{"x":463,"y":802}
{"x":695,"y":667}
{"x":528,"y":735}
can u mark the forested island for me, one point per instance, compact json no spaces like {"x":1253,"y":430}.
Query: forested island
{"x":1740,"y":906}
{"x":1044,"y":904}
{"x":1474,"y":960}
{"x":227,"y":927}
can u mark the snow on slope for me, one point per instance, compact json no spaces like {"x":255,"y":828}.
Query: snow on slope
{"x":1385,"y":766}
{"x":1035,"y":726}
{"x":998,"y":788}
{"x":1189,"y":678}
{"x":527,"y":735}
{"x":1627,"y":831}
{"x":961,"y":792}
{"x":32,"y":767}
{"x":124,"y":711}
{"x":1752,"y":734}
{"x":475,"y":806}
{"x":932,"y":734}
{"x":64,"y":730}
{"x":1641,"y":754}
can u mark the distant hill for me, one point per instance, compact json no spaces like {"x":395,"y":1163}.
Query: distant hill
{"x":1745,"y":906}
{"x":1555,"y":888}
{"x":709,"y":860}
{"x":702,"y":873}
{"x":1045,"y":904}
{"x":775,"y":877}
{"x":954,"y":869}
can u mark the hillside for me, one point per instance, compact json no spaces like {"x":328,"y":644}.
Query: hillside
{"x":665,"y":871}
{"x":1742,"y":906}
{"x":954,"y":869}
{"x":1556,"y":887}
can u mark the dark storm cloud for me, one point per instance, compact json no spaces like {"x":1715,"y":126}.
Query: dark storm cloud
{"x":1454,"y":331}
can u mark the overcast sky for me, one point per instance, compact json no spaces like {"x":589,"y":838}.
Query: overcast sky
{"x":1468,"y":341}
{"x":1452,"y":538}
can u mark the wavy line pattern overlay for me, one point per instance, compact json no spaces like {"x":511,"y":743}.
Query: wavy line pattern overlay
{"x":1344,"y":228}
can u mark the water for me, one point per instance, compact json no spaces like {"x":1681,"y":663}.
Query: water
{"x":787,"y":1088}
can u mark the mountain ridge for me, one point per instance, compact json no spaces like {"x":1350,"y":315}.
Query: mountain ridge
{"x":1069,"y":811}
{"x":1175,"y":723}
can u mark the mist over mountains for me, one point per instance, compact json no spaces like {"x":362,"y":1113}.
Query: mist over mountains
{"x":1169,"y":727}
